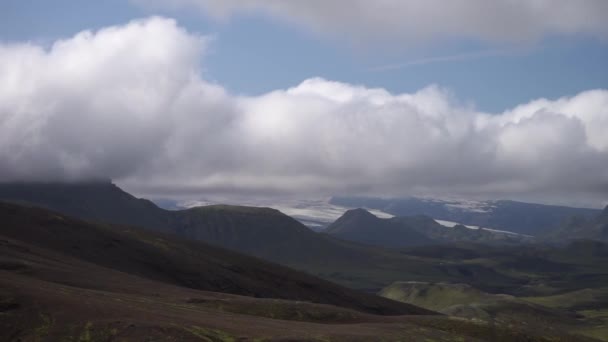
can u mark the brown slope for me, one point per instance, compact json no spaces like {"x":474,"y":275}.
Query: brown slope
{"x":48,"y":296}
{"x":179,"y":262}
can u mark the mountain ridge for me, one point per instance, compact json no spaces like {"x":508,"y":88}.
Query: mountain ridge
{"x":239,"y":228}
{"x":274,"y":237}
{"x":173,"y":260}
{"x":518,"y":217}
{"x":402,"y":231}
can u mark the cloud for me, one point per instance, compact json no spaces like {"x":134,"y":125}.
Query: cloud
{"x":419,"y":20}
{"x":93,"y":104}
{"x":447,"y":58}
{"x":130,"y":103}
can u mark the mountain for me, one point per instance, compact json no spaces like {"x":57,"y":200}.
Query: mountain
{"x":176,"y":261}
{"x":262,"y":232}
{"x":581,"y":228}
{"x":316,"y":214}
{"x":440,"y":233}
{"x":361,"y":226}
{"x":63,"y":279}
{"x":97,"y":200}
{"x":518,"y":217}
{"x":273,"y":236}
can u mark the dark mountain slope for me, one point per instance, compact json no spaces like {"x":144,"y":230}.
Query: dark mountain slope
{"x":266,"y":233}
{"x":580,"y":228}
{"x":95,"y":201}
{"x":174,"y":261}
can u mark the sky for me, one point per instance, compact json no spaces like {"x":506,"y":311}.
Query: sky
{"x":502,"y":99}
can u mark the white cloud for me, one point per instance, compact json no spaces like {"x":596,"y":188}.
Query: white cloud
{"x":129,"y":102}
{"x":420,"y":20}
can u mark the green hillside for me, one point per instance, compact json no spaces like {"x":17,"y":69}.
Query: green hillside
{"x":464,"y":301}
{"x":590,"y":304}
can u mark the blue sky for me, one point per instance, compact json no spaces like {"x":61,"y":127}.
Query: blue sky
{"x":253,"y":54}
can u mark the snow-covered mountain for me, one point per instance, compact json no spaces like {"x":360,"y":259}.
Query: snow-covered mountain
{"x":314,"y":213}
{"x":517,"y":217}
{"x":501,"y":216}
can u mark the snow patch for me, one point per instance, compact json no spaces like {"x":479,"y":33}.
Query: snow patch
{"x":452,"y":224}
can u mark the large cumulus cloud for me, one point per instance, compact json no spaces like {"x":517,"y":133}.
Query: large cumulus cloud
{"x":421,"y":20}
{"x":131,"y":103}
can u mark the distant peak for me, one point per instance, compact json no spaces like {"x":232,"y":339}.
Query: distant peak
{"x":359,"y":213}
{"x":353,"y":219}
